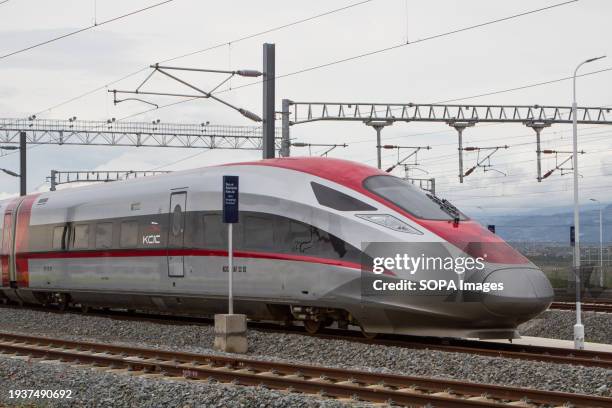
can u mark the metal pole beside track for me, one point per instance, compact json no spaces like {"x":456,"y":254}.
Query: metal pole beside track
{"x":601,"y":269}
{"x":269,"y":113}
{"x":22,"y":164}
{"x":230,"y":263}
{"x":285,"y":150}
{"x":578,"y":327}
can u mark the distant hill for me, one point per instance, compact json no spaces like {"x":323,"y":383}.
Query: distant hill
{"x":551,"y":226}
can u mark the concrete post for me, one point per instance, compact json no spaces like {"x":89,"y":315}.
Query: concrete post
{"x":230,"y":333}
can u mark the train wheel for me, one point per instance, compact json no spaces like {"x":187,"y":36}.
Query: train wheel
{"x":368,"y":335}
{"x":84,"y":309}
{"x":312,"y":326}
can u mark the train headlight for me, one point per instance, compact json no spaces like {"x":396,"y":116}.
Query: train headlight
{"x":390,"y":221}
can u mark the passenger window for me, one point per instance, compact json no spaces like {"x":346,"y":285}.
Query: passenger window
{"x":104,"y":235}
{"x":258,"y":232}
{"x":58,"y":233}
{"x":215,"y":232}
{"x":128,"y":234}
{"x":338,"y":201}
{"x":81,"y":236}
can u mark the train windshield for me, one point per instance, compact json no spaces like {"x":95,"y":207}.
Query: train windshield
{"x":412,"y":199}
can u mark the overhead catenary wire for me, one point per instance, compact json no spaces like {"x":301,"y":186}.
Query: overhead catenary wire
{"x":520,"y":195}
{"x":375,"y":52}
{"x":533,"y":85}
{"x":202,"y":50}
{"x":179,"y":160}
{"x":510,"y":180}
{"x":270,"y":30}
{"x":110,"y":20}
{"x":439,"y":158}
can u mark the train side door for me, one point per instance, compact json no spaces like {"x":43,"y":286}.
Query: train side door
{"x":8,"y":242}
{"x":176,"y":234}
{"x":8,"y":272}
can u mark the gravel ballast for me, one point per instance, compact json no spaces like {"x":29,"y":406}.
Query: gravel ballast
{"x":95,"y":388}
{"x":559,"y":324}
{"x":303,"y":349}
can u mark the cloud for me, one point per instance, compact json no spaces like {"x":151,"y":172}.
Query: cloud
{"x":93,"y":51}
{"x":606,"y":165}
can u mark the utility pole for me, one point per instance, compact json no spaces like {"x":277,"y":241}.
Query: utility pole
{"x":537,"y":127}
{"x":578,"y":327}
{"x":269,"y":113}
{"x":378,"y":126}
{"x":22,"y":164}
{"x":285,"y":150}
{"x":601,"y":269}
{"x":460,"y":127}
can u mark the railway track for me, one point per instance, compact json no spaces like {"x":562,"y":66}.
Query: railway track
{"x":322,"y":381}
{"x":593,"y":306}
{"x":505,"y":350}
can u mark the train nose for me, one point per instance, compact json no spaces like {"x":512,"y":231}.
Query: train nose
{"x":526,"y":292}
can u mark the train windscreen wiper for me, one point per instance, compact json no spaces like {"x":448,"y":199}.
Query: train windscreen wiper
{"x":447,"y":207}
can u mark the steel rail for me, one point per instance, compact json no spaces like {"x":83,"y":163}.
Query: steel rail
{"x":595,"y":306}
{"x":323,"y":381}
{"x":555,"y":355}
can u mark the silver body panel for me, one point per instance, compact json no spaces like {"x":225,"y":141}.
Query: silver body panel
{"x":198,"y":284}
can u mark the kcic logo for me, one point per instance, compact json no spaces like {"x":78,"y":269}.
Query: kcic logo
{"x":152,"y":235}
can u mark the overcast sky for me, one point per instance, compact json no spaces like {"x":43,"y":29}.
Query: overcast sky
{"x":531,"y":49}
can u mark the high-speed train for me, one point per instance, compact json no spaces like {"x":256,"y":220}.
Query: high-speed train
{"x":159,"y":243}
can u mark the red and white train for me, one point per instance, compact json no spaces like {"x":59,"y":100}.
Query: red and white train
{"x":158,"y":243}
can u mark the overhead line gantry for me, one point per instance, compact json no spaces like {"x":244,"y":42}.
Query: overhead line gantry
{"x":134,"y":134}
{"x":457,"y":116}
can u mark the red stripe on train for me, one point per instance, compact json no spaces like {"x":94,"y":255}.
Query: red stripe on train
{"x":128,"y":253}
{"x":469,"y":236}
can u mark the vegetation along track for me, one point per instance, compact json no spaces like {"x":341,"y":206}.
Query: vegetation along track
{"x":492,"y":349}
{"x":322,"y":381}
